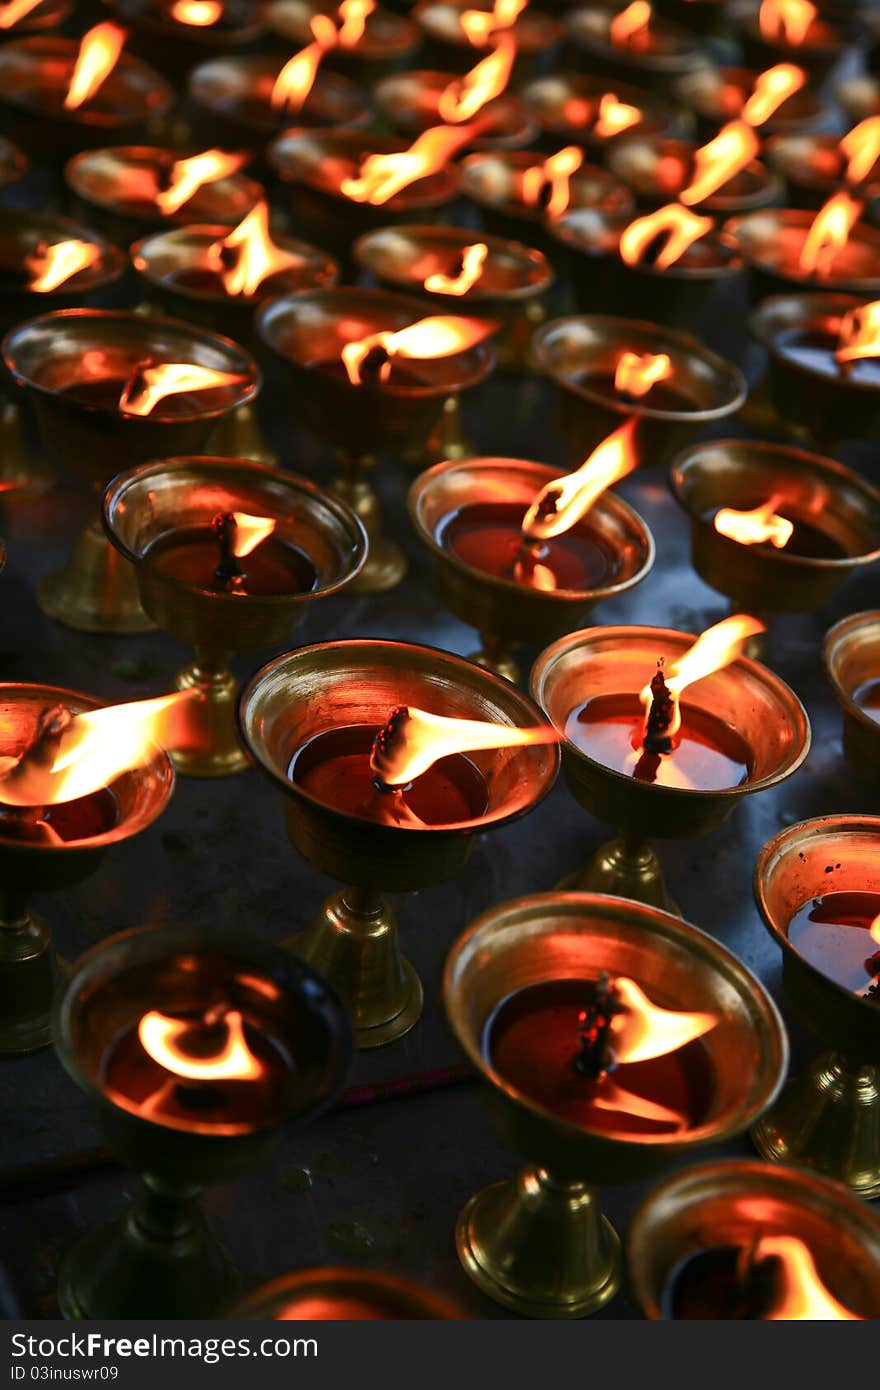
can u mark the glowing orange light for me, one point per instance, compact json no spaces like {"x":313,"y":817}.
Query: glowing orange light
{"x":161,"y":1038}
{"x":189,"y":175}
{"x":829,"y":233}
{"x":413,"y":740}
{"x":614,"y":116}
{"x":354,"y":15}
{"x":555,"y":171}
{"x":472,"y":260}
{"x":861,"y":148}
{"x":636,"y":373}
{"x":715,"y":163}
{"x":98,"y":51}
{"x":859,"y":333}
{"x":756,"y":527}
{"x":714,"y":649}
{"x":643,"y":1030}
{"x":249,"y":532}
{"x":786,"y":21}
{"x":439,"y":336}
{"x":680,"y":226}
{"x":565,"y":500}
{"x":50,"y":266}
{"x":382,"y":175}
{"x":151,"y":384}
{"x":200,"y":14}
{"x":467,"y":95}
{"x":297,"y":77}
{"x":631,"y":24}
{"x":94,"y":749}
{"x":804,"y":1297}
{"x":479,"y":24}
{"x":15,"y":11}
{"x":258,"y":256}
{"x":771,"y":89}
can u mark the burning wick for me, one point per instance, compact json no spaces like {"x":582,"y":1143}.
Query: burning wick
{"x":161,"y":1037}
{"x":861,"y":148}
{"x":248,"y":255}
{"x":467,"y":95}
{"x":771,"y":89}
{"x":98,"y":53}
{"x":472,"y":260}
{"x":478,"y":25}
{"x":354,"y":15}
{"x":872,"y":965}
{"x":678,"y":225}
{"x":187,"y":176}
{"x":368,"y":360}
{"x":828,"y":234}
{"x":859,"y":334}
{"x":16,"y":11}
{"x":629,"y":28}
{"x":381,"y":176}
{"x":200,"y":14}
{"x":717,"y":162}
{"x":804,"y":1297}
{"x":237,"y":535}
{"x":297,"y":78}
{"x":636,"y":373}
{"x":595,"y":1057}
{"x":548,"y":185}
{"x":412,"y":740}
{"x":151,"y":382}
{"x":786,"y":21}
{"x":564,"y":501}
{"x":50,"y":266}
{"x":756,"y":527}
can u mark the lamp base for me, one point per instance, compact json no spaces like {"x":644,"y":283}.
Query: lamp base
{"x":624,"y":870}
{"x":19,"y":475}
{"x":96,"y":591}
{"x":386,"y":563}
{"x":158,"y":1260}
{"x":828,"y":1119}
{"x":540,"y":1246}
{"x":238,"y":436}
{"x":218,"y":752}
{"x":353,"y":942}
{"x":28,"y":976}
{"x":495,"y":656}
{"x":448,"y":439}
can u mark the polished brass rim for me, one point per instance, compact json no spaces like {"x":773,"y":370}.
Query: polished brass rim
{"x":833,"y":637}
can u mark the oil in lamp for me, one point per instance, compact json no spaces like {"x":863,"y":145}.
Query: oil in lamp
{"x":823,"y":363}
{"x":227,"y":555}
{"x":615,"y":1038}
{"x":851,"y":653}
{"x":175,"y":35}
{"x":613,"y":693}
{"x":520,"y":553}
{"x":109,"y":385}
{"x":816,"y":164}
{"x":454,"y":30}
{"x":46,"y":262}
{"x":194,"y":1048}
{"x":671,"y":265}
{"x":607,"y":369}
{"x":55,"y":827}
{"x":336,"y":1294}
{"x":721,"y":177}
{"x":593,"y":111}
{"x":18,"y":17}
{"x":132,"y":190}
{"x":369,"y":373}
{"x":60,"y":95}
{"x":513,"y":190}
{"x":791,"y":249}
{"x":370,"y":39}
{"x":462,"y":753}
{"x":817,"y":886}
{"x":632,"y":43}
{"x":454,"y":268}
{"x":780,"y":99}
{"x":745,"y":1241}
{"x":796,"y":31}
{"x":774,"y":529}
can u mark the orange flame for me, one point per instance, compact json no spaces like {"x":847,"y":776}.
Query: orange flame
{"x":631,"y":24}
{"x":715,"y":163}
{"x":98,"y":51}
{"x":161,"y":1036}
{"x":786,"y":21}
{"x":258,"y":256}
{"x":413,"y":740}
{"x":681,"y":227}
{"x":861,"y":148}
{"x":828,"y":234}
{"x":354,"y":15}
{"x":439,"y":336}
{"x":50,"y":266}
{"x":859,"y":333}
{"x":467,"y":95}
{"x":94,"y":748}
{"x":622,"y":1102}
{"x":381,"y":176}
{"x":188,"y":176}
{"x":565,"y":500}
{"x":614,"y":116}
{"x":643,"y":1030}
{"x":771,"y":89}
{"x":636,"y":373}
{"x":151,"y":384}
{"x":249,"y":532}
{"x":714,"y":649}
{"x":804,"y":1297}
{"x":472,"y":259}
{"x":874,"y":929}
{"x":297,"y":78}
{"x":198,"y":13}
{"x":757,"y":526}
{"x":15,"y":11}
{"x":478,"y":24}
{"x":555,"y":171}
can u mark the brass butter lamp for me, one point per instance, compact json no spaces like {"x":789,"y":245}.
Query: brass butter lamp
{"x":851,"y":655}
{"x":539,"y":1244}
{"x":337,"y":1294}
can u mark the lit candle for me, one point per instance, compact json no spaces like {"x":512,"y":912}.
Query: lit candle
{"x":235,"y":554}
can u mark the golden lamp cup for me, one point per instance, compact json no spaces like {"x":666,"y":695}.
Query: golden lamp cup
{"x":713,"y":1213}
{"x":84,"y":830}
{"x":322,"y":689}
{"x":743,"y":702}
{"x":539,"y":1244}
{"x":828,"y":1117}
{"x":332,"y":1293}
{"x":504,"y":611}
{"x":851,"y":655}
{"x":148,"y":506}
